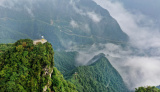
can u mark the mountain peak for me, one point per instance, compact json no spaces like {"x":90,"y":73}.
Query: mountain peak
{"x":95,"y":58}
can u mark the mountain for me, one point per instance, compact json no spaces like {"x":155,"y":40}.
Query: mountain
{"x":64,"y":23}
{"x":96,"y":80}
{"x":65,"y":61}
{"x":148,"y":8}
{"x":59,"y":84}
{"x":26,"y":67}
{"x":97,"y":76}
{"x":95,"y":58}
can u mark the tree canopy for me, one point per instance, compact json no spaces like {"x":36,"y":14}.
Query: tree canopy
{"x":23,"y":68}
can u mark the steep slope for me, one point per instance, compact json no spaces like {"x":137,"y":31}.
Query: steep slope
{"x":100,"y":76}
{"x":59,"y":84}
{"x":64,"y":23}
{"x":65,"y":61}
{"x":26,"y":67}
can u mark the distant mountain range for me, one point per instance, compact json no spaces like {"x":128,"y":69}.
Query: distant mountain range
{"x":67,"y":24}
{"x":64,"y":23}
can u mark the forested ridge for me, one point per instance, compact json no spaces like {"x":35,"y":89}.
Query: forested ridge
{"x":25,"y":67}
{"x":30,"y":60}
{"x":98,"y":77}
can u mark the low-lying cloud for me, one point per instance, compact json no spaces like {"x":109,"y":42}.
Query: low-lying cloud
{"x":74,"y":24}
{"x":91,"y":14}
{"x":141,"y":29}
{"x":95,"y":17}
{"x":136,"y":70}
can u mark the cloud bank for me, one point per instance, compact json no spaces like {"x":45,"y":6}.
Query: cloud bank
{"x":136,"y":70}
{"x":139,"y":28}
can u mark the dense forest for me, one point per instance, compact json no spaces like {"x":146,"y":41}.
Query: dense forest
{"x":25,"y":67}
{"x":4,"y":47}
{"x":147,"y":89}
{"x":98,"y":77}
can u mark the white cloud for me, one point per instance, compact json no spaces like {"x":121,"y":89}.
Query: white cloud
{"x":86,"y":28}
{"x":29,"y":10}
{"x":17,"y":5}
{"x":8,"y":3}
{"x":91,"y":14}
{"x":95,"y":17}
{"x":74,"y":24}
{"x":108,"y":49}
{"x":139,"y":27}
{"x":77,"y":10}
{"x":136,"y":70}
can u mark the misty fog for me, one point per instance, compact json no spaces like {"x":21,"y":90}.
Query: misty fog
{"x":145,"y":36}
{"x":138,"y":62}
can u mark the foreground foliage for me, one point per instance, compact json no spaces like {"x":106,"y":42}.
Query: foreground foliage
{"x":23,"y":68}
{"x":147,"y":89}
{"x":4,"y":47}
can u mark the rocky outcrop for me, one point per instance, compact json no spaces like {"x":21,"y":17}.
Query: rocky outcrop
{"x":47,"y":71}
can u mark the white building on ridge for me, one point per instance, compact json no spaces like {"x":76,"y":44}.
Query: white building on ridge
{"x":40,"y":41}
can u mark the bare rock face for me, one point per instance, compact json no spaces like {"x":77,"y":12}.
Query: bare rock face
{"x":47,"y":71}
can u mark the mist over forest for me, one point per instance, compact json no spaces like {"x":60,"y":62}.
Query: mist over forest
{"x":127,"y":32}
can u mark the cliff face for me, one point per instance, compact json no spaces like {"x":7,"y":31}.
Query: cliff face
{"x":47,"y":71}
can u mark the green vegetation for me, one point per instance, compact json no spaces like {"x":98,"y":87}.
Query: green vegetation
{"x":65,"y":61}
{"x":21,"y":67}
{"x":4,"y":47}
{"x":147,"y":89}
{"x":25,"y":67}
{"x":97,"y":77}
{"x":16,"y":25}
{"x":59,"y":84}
